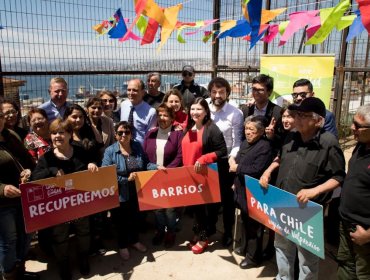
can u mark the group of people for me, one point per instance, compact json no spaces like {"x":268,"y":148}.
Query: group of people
{"x":295,"y":148}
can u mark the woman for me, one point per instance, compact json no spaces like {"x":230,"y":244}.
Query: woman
{"x":203,"y":143}
{"x":173,"y":99}
{"x":12,"y":118}
{"x":14,"y":241}
{"x":102,"y":126}
{"x":110,"y":105}
{"x":254,"y":156}
{"x":129,"y":157}
{"x":65,"y":159}
{"x":163,"y":147}
{"x":288,"y":123}
{"x":83,"y":134}
{"x":37,"y":142}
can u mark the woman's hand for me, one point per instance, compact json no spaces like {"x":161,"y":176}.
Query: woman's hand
{"x":198,"y":168}
{"x":25,"y":176}
{"x":161,"y":167}
{"x":233,"y":167}
{"x":60,"y":173}
{"x":304,"y":195}
{"x":270,"y":130}
{"x":92,"y":167}
{"x":11,"y":191}
{"x":132,"y":176}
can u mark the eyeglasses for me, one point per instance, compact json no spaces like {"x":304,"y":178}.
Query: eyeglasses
{"x":11,"y":112}
{"x":107,"y":100}
{"x":258,"y":90}
{"x":184,"y":74}
{"x":358,"y":126}
{"x":301,"y":94}
{"x":126,"y":132}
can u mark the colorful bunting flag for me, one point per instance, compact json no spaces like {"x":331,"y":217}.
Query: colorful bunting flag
{"x":329,"y":23}
{"x":241,"y":28}
{"x":356,"y":28}
{"x":150,"y":32}
{"x":272,"y":32}
{"x":364,"y":6}
{"x":254,"y":11}
{"x":169,"y":23}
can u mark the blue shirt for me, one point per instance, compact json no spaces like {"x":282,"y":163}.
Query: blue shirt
{"x":52,"y":111}
{"x":145,"y":118}
{"x":330,"y":125}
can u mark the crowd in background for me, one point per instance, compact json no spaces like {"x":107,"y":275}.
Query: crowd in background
{"x":295,"y":148}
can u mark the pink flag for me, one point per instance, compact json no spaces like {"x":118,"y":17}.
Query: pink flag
{"x":297,"y":21}
{"x":273,"y":31}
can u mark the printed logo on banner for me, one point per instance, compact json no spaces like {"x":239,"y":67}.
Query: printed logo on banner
{"x":280,"y":211}
{"x":35,"y":194}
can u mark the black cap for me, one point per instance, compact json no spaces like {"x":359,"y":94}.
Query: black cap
{"x":188,"y":68}
{"x":310,"y":104}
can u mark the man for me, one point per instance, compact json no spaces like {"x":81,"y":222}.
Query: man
{"x":302,"y":89}
{"x":188,"y":88}
{"x":138,"y":113}
{"x":154,"y":97}
{"x":57,"y":105}
{"x":354,"y":248}
{"x":262,"y":87}
{"x":230,"y":121}
{"x":311,"y":166}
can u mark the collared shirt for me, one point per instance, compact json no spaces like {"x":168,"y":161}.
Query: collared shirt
{"x":145,"y":118}
{"x":355,"y":197}
{"x":52,"y":111}
{"x":229,"y":120}
{"x":305,"y":165}
{"x":258,"y":112}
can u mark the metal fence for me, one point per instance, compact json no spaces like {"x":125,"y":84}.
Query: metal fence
{"x":44,"y":38}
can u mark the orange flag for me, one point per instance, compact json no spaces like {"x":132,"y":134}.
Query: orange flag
{"x":266,"y":15}
{"x":169,"y":23}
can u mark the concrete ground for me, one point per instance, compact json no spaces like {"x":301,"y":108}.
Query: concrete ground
{"x":177,"y":263}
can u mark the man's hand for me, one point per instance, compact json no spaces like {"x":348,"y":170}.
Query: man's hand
{"x":304,"y":195}
{"x":132,"y":176}
{"x":11,"y":191}
{"x":360,"y":236}
{"x":265,"y":179}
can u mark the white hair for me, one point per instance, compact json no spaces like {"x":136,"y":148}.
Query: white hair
{"x":364,"y":111}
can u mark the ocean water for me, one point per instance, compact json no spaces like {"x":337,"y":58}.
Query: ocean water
{"x":37,"y":86}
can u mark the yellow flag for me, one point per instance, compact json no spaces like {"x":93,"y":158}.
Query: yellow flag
{"x":169,"y":23}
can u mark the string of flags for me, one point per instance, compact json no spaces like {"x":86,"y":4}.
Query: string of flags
{"x":256,"y":24}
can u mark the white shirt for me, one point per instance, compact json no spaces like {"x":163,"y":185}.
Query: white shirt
{"x":229,"y":120}
{"x":162,"y":137}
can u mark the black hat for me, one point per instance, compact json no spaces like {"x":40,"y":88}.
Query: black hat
{"x":188,"y":68}
{"x":310,"y":104}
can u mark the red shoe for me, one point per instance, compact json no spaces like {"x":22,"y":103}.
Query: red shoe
{"x":198,"y":248}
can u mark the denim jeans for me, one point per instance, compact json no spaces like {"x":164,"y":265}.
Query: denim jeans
{"x":166,"y":218}
{"x":14,"y":242}
{"x":285,"y":257}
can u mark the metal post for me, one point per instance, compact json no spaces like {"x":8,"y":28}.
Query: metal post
{"x":215,"y":46}
{"x":2,"y":93}
{"x":265,"y":45}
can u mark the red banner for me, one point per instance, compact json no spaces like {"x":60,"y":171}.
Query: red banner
{"x":177,"y":187}
{"x":56,"y":200}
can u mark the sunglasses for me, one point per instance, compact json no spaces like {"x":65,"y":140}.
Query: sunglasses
{"x":301,"y":94}
{"x":126,"y":132}
{"x":184,"y":74}
{"x":358,"y":126}
{"x":107,"y":100}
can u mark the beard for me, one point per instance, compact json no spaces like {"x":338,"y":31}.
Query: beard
{"x":219,"y":102}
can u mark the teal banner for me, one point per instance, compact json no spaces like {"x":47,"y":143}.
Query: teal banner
{"x":280,"y":211}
